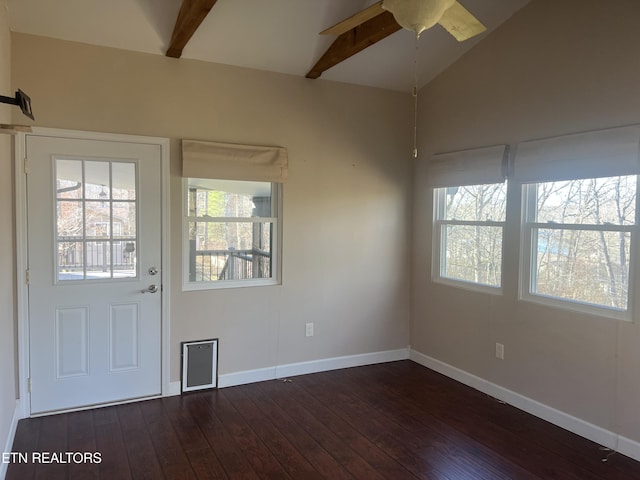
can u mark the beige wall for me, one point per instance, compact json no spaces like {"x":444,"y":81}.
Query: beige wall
{"x":346,"y":205}
{"x":8,"y":361}
{"x":557,"y":67}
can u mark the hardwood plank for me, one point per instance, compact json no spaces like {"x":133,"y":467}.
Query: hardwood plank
{"x":497,"y":435}
{"x":547,"y":460}
{"x":203,"y":460}
{"x":104,"y":416}
{"x":418,"y":420}
{"x":169,"y":452}
{"x":203,"y":407}
{"x":285,"y":456}
{"x":53,"y":438}
{"x":110,"y":444}
{"x":375,"y":457}
{"x":141,"y":454}
{"x":294,"y":406}
{"x":423,"y":461}
{"x":26,"y":442}
{"x":396,"y":421}
{"x":206,"y":465}
{"x":184,"y":424}
{"x":81,"y":439}
{"x":316,"y":456}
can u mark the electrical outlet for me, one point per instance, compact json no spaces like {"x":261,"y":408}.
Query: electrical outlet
{"x":309,"y":329}
{"x":500,"y":351}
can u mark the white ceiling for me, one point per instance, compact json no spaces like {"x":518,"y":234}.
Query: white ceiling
{"x":275,"y":35}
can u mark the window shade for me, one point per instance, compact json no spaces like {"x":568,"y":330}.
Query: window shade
{"x":230,"y":161}
{"x":469,"y":167}
{"x":603,"y":153}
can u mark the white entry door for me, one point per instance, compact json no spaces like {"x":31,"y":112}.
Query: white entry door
{"x":94,"y":252}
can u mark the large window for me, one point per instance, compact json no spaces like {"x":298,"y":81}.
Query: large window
{"x":470,"y":198}
{"x":231,"y":232}
{"x":578,"y":237}
{"x":578,"y":224}
{"x":231,"y":211}
{"x":469,"y":230}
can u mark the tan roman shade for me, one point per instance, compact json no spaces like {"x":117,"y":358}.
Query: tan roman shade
{"x":231,"y":161}
{"x":469,"y":167}
{"x":600,"y":153}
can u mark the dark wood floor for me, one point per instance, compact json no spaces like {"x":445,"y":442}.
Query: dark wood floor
{"x":396,"y":421}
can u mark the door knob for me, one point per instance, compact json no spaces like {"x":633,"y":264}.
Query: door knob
{"x":151,"y":289}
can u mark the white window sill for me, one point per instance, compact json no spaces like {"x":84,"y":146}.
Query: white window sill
{"x":474,"y":287}
{"x":575,"y":306}
{"x":223,"y":284}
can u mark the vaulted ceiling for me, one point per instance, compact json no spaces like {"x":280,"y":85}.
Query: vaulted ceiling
{"x":274,"y":35}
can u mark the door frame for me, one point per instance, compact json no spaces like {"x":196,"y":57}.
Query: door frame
{"x":24,"y":403}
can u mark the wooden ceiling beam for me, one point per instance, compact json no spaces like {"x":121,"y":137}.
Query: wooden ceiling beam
{"x":355,"y":40}
{"x":355,"y":20}
{"x":192,"y":13}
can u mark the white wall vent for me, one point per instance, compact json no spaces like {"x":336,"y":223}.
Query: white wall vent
{"x":199,"y":365}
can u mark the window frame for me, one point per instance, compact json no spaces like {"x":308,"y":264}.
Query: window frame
{"x":276,"y":243}
{"x":438,"y":254}
{"x":527,"y":271}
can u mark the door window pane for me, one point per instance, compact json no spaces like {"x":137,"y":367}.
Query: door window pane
{"x":124,"y":254}
{"x":97,"y":180}
{"x":69,"y":179}
{"x":69,"y":220}
{"x":70,"y":260}
{"x":98,"y":260}
{"x":96,"y":228}
{"x":123,"y":181}
{"x":124,"y":220}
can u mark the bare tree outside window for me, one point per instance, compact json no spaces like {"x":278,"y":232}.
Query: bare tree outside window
{"x":470,"y":222}
{"x":229,"y":228}
{"x":95,"y":219}
{"x":581,"y":239}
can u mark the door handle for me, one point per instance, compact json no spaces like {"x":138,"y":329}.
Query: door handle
{"x":151,"y":289}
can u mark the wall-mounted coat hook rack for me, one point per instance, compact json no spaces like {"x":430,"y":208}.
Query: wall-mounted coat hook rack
{"x":22,"y":100}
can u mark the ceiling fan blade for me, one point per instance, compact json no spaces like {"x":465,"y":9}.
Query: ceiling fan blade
{"x":459,"y":22}
{"x":355,"y":20}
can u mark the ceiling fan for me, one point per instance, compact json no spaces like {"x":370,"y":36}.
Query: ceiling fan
{"x":385,"y":17}
{"x":417,"y":15}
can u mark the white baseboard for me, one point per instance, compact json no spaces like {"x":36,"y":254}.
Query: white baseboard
{"x":246,"y":376}
{"x":314,"y":366}
{"x":17,"y":415}
{"x":231,"y":379}
{"x":597,"y":434}
{"x":326,"y":364}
